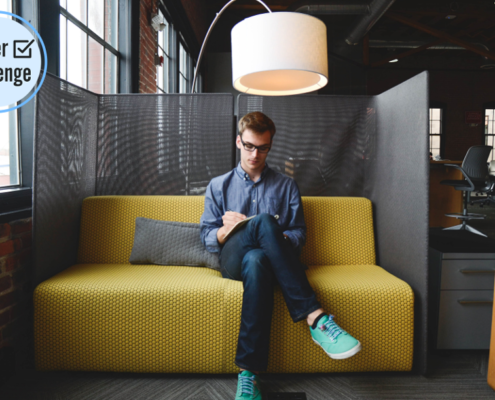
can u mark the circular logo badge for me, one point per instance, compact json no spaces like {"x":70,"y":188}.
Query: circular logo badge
{"x":20,"y":62}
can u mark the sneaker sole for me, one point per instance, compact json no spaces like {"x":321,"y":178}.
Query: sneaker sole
{"x":346,"y":354}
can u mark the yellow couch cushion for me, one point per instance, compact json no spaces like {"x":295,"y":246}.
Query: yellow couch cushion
{"x":148,"y":318}
{"x":340,"y":229}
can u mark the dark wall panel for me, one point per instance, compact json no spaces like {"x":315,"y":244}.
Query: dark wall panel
{"x":397,"y":184}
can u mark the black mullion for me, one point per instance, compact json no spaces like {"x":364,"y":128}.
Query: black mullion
{"x":66,"y":48}
{"x":88,"y":31}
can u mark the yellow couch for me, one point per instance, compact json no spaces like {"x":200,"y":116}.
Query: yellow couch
{"x":104,"y":314}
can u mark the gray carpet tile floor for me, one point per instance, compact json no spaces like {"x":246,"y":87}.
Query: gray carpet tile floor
{"x":453,"y":375}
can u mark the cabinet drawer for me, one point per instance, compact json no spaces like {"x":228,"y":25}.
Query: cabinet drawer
{"x":465,"y":319}
{"x":468,"y":274}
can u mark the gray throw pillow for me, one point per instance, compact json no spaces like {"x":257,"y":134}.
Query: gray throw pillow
{"x":170,"y":243}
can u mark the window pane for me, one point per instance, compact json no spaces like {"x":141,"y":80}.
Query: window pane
{"x":9,"y":170}
{"x":78,"y":9}
{"x":435,"y":142}
{"x":159,"y":74}
{"x":63,"y":3}
{"x":76,"y":55}
{"x":95,"y":16}
{"x":6,"y":5}
{"x":95,"y":66}
{"x":435,"y":126}
{"x":435,"y":113}
{"x":111,"y":22}
{"x":63,"y":47}
{"x":110,"y":73}
{"x":489,"y":140}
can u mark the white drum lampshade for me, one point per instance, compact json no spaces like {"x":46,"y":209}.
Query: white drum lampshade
{"x":279,"y":54}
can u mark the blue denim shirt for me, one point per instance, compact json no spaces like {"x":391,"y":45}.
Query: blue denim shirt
{"x":274,"y":193}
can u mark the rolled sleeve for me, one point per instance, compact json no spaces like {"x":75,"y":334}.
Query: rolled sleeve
{"x":296,"y":229}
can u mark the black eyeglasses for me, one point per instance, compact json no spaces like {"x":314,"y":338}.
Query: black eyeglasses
{"x":252,"y":147}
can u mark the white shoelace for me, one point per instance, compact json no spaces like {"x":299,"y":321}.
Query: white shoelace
{"x":247,"y":384}
{"x":331,"y":329}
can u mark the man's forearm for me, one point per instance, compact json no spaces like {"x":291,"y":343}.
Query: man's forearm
{"x":221,"y":235}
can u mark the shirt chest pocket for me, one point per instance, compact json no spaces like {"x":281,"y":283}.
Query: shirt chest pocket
{"x":276,"y":207}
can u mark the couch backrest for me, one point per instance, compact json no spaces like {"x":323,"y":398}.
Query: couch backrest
{"x":340,"y":229}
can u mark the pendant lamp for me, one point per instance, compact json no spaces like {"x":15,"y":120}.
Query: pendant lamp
{"x":277,"y":54}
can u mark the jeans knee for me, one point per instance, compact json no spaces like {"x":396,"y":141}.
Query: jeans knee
{"x":256,"y":266}
{"x":266,"y":221}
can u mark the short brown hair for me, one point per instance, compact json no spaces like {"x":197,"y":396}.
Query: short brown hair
{"x":258,"y":123}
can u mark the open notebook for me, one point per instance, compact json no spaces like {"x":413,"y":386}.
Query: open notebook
{"x":237,"y":226}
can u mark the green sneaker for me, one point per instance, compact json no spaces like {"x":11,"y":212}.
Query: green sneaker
{"x":248,"y":387}
{"x":336,"y":342}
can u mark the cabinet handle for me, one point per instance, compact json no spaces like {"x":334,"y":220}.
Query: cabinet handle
{"x":477,"y":271}
{"x":475,"y":301}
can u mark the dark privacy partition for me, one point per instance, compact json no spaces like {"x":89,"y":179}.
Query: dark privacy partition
{"x":397,"y":184}
{"x":371,"y":146}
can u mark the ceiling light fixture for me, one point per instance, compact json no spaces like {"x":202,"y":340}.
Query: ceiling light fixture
{"x":276,"y":54}
{"x":394,"y":60}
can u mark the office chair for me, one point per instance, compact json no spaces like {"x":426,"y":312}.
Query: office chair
{"x":489,"y":190}
{"x":475,"y":171}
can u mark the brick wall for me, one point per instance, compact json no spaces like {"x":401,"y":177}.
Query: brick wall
{"x":460,"y":91}
{"x":15,"y":295}
{"x":147,"y":48}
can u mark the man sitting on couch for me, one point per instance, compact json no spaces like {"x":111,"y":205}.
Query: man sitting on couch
{"x":265,"y":251}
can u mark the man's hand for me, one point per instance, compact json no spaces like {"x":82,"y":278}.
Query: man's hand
{"x":229,"y":220}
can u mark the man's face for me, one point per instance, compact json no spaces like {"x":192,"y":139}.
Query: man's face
{"x":254,"y":161}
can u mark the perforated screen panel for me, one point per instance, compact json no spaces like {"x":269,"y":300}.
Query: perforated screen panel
{"x":163,"y":144}
{"x":64,"y":171}
{"x":321,"y":141}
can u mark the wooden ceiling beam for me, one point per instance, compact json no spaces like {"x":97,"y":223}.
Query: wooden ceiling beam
{"x":407,"y":53}
{"x":441,"y":35}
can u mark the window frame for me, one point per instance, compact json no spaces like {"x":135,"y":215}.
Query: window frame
{"x":441,"y":135}
{"x":177,"y":38}
{"x":489,"y":106}
{"x":93,"y":35}
{"x":15,"y":137}
{"x":16,"y":200}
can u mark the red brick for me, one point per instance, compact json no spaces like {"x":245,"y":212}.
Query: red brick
{"x":5,"y":283}
{"x":6,"y":248}
{"x":10,"y":263}
{"x":4,"y":230}
{"x":21,"y":226}
{"x":17,"y":244}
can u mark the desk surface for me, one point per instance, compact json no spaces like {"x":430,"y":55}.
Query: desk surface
{"x":433,"y":162}
{"x":460,"y":242}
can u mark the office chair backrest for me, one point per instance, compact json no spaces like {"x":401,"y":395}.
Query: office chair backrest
{"x":475,"y":163}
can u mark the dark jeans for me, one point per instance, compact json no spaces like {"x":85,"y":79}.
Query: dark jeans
{"x":260,"y":256}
